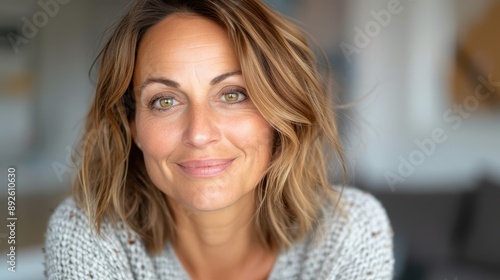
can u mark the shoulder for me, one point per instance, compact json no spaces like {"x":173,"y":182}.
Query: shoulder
{"x":68,"y":223}
{"x":354,"y":241}
{"x":353,"y":209}
{"x":73,"y":251}
{"x":358,"y":207}
{"x":361,"y":230}
{"x":67,"y":216}
{"x":71,"y":223}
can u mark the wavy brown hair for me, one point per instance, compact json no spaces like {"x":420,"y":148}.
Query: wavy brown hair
{"x":284,"y":83}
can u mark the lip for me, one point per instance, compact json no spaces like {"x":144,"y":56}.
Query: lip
{"x":205,"y":168}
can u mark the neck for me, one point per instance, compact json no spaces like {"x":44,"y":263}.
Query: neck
{"x":217,"y":242}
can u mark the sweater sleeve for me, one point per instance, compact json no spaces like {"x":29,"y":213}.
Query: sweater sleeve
{"x":368,"y":251}
{"x":73,"y":252}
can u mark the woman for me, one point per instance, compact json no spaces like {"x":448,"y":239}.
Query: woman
{"x":203,"y":157}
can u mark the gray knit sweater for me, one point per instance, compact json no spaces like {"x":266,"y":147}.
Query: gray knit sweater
{"x":357,"y":244}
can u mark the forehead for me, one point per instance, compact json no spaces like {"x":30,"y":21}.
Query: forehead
{"x":183,"y":40}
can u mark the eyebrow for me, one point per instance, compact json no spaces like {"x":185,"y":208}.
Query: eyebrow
{"x":170,"y":83}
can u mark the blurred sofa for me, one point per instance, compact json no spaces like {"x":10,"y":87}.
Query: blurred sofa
{"x":446,"y":235}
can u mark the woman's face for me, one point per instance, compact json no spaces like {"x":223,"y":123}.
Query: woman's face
{"x":205,"y":144}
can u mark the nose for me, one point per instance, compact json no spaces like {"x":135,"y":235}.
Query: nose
{"x":202,"y":127}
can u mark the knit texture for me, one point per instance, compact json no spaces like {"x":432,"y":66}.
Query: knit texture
{"x":355,"y":243}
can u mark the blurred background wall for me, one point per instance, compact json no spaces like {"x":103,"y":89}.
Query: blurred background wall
{"x":421,"y":130}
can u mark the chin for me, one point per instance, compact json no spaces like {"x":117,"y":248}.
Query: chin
{"x":207,"y":200}
{"x":212,"y":202}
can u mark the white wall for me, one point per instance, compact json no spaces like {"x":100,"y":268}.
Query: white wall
{"x":409,"y":61}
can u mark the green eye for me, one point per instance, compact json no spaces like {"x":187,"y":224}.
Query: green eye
{"x":166,"y":102}
{"x":233,"y":96}
{"x":163,"y":103}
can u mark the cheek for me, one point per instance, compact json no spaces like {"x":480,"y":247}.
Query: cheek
{"x":253,"y":135}
{"x":157,"y":136}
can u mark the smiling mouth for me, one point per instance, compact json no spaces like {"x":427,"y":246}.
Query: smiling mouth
{"x":205,"y":168}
